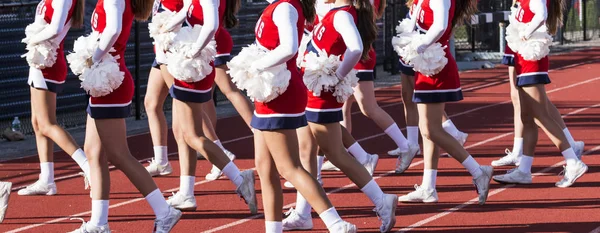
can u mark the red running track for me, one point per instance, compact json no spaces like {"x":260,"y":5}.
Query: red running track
{"x":486,"y":114}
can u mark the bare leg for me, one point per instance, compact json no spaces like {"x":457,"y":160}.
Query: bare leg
{"x":347,"y":111}
{"x":240,"y":103}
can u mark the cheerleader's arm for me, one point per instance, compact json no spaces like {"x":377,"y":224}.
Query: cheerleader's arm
{"x":440,"y":10}
{"x":210,"y":12}
{"x":538,"y":7}
{"x":57,"y":24}
{"x":343,"y":23}
{"x":178,"y":18}
{"x":114,"y":19}
{"x":286,"y":21}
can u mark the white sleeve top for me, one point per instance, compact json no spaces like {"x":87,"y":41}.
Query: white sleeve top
{"x":210,"y":14}
{"x":538,"y":7}
{"x":441,"y":14}
{"x":114,"y":22}
{"x":343,"y":22}
{"x":58,"y":25}
{"x":287,"y":19}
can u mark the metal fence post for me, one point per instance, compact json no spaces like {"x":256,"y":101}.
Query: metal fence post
{"x":584,"y":19}
{"x":502,"y":36}
{"x":138,"y":110}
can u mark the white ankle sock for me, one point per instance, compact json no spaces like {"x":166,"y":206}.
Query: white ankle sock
{"x":412,"y":133}
{"x":570,"y":157}
{"x":273,"y":227}
{"x":394,"y":132}
{"x":320,"y":159}
{"x":429,"y":179}
{"x":472,"y":166}
{"x":81,"y":160}
{"x":186,"y":185}
{"x":330,"y":217}
{"x":161,"y":155}
{"x":47,"y":172}
{"x":525,"y":164}
{"x":233,"y":173}
{"x":358,"y":152}
{"x":160,"y":207}
{"x":99,"y":213}
{"x":374,"y":192}
{"x":569,"y":136}
{"x":302,"y":206}
{"x":517,"y":147}
{"x":450,"y":128}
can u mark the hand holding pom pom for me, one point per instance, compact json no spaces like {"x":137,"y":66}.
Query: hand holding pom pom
{"x":427,"y":60}
{"x":42,"y":54}
{"x":163,"y":36}
{"x":187,"y":62}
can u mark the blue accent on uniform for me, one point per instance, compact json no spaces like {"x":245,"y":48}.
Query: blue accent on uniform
{"x":311,"y":48}
{"x":155,"y":64}
{"x":52,"y":87}
{"x":365,"y":76}
{"x":407,"y":70}
{"x":324,"y":117}
{"x":437,"y":97}
{"x":533,"y":80}
{"x":186,"y":96}
{"x":278,"y":123}
{"x":109,"y":112}
{"x":222,"y":60}
{"x":508,"y":60}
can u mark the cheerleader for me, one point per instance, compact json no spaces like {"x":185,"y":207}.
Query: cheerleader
{"x":513,"y":157}
{"x":436,"y":18}
{"x":275,"y":122}
{"x":106,"y":135}
{"x":189,"y":118}
{"x":338,"y":34}
{"x":4,"y":197}
{"x":46,"y":80}
{"x":532,"y":75}
{"x":154,"y":104}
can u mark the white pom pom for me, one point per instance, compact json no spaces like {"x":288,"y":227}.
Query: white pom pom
{"x":430,"y":63}
{"x":262,"y":86}
{"x":182,"y":65}
{"x":405,"y":35}
{"x":104,"y":76}
{"x":406,"y":25}
{"x":163,"y":40}
{"x":43,"y":54}
{"x":534,"y":48}
{"x":302,"y":49}
{"x":345,"y":88}
{"x":319,"y":72}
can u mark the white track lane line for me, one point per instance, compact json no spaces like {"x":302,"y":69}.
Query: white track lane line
{"x":597,"y":230}
{"x":342,"y":188}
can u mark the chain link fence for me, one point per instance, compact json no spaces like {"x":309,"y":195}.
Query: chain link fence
{"x":581,"y":23}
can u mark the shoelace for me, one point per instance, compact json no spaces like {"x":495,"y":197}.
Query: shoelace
{"x":82,"y":222}
{"x":86,"y":182}
{"x":289,"y":212}
{"x":563,"y":173}
{"x":507,"y":151}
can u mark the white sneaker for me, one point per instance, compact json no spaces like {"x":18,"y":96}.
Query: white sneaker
{"x":482,"y":183}
{"x":579,"y":148}
{"x":5,"y":188}
{"x":182,"y":202}
{"x":247,"y":191}
{"x":215,"y":172}
{"x":508,"y":160}
{"x":396,"y":152}
{"x":371,"y":163}
{"x":514,"y":176}
{"x":406,"y":158}
{"x":165,"y":225}
{"x":38,"y":188}
{"x":421,"y":194}
{"x":343,"y":227}
{"x":155,"y":169}
{"x":293,"y":221}
{"x":88,"y":228}
{"x":328,"y":166}
{"x":571,"y":174}
{"x":461,"y":137}
{"x":387,"y":212}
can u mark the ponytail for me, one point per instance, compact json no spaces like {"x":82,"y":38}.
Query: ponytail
{"x":366,"y":25}
{"x":141,"y":9}
{"x":308,"y":8}
{"x":555,"y":15}
{"x":463,"y":11}
{"x":231,"y":9}
{"x":78,"y":12}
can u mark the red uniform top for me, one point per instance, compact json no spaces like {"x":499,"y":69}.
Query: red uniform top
{"x":195,"y":15}
{"x":293,"y":100}
{"x":425,"y":20}
{"x":522,"y":66}
{"x":524,"y":13}
{"x":326,"y":38}
{"x":45,"y":8}
{"x":172,"y":5}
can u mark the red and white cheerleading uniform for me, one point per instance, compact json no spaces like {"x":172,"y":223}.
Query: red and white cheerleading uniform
{"x":197,"y":92}
{"x":532,"y":72}
{"x":53,"y":12}
{"x":222,"y":36}
{"x":160,"y":6}
{"x":335,"y":34}
{"x":444,"y":86}
{"x":287,"y":110}
{"x":365,"y":68}
{"x":509,"y":56}
{"x":108,"y":13}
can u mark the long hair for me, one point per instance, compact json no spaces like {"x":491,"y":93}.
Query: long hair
{"x":409,"y":3}
{"x":308,"y":9}
{"x":381,"y":9}
{"x":233,"y":6}
{"x":78,"y":12}
{"x":366,"y":25}
{"x":463,"y":11}
{"x":141,"y":9}
{"x":555,"y":15}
